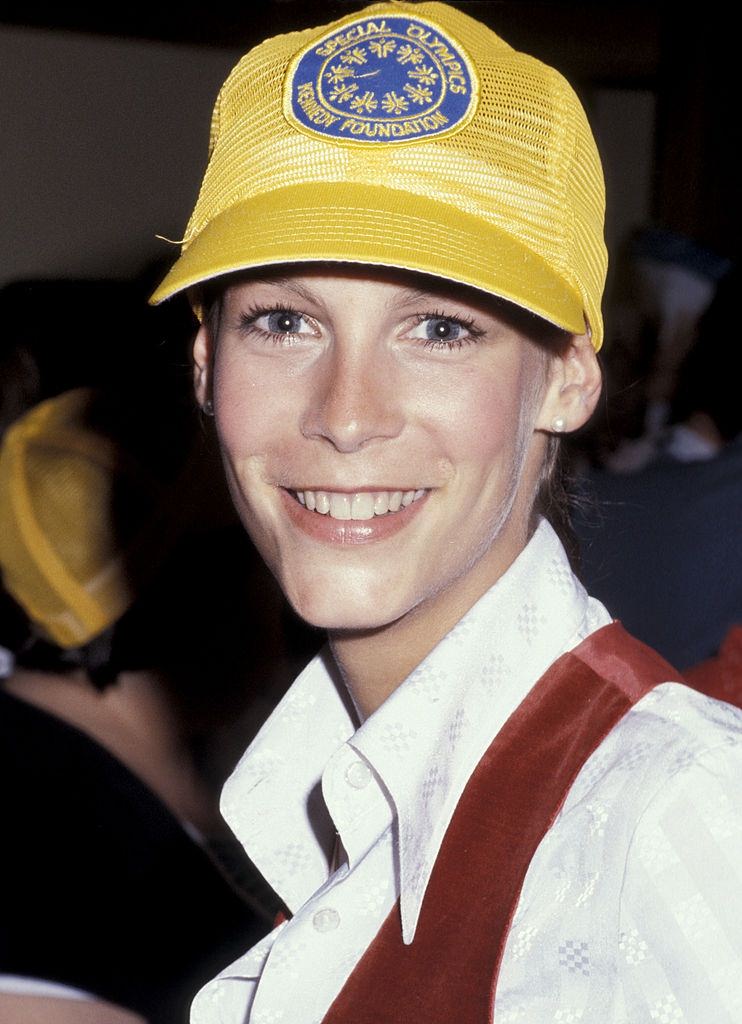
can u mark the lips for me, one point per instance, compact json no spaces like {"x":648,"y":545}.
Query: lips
{"x":352,"y":517}
{"x":357,"y":505}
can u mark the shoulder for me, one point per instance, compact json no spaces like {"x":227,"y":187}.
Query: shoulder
{"x":642,"y":869}
{"x":692,"y":786}
{"x":671,"y":768}
{"x":681,"y":893}
{"x":673,"y":731}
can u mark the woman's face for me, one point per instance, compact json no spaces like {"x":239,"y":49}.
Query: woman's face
{"x":378,"y":436}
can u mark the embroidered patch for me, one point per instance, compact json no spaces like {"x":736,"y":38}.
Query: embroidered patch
{"x":382,"y":80}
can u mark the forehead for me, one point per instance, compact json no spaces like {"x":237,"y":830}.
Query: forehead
{"x":312,"y":277}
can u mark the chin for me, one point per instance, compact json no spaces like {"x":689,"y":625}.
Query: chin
{"x":341,"y":608}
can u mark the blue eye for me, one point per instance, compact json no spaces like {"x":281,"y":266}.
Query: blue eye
{"x":440,"y":328}
{"x":284,"y":321}
{"x":281,"y":326}
{"x":438,"y":331}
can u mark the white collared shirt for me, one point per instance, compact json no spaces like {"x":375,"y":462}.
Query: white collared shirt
{"x":663,"y":794}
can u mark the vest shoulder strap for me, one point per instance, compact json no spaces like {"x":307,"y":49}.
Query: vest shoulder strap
{"x":450,"y":970}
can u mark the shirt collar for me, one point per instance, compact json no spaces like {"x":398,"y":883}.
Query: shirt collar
{"x":425,"y":740}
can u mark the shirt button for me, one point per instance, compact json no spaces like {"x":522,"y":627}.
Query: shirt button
{"x":358,"y":775}
{"x":326,"y":920}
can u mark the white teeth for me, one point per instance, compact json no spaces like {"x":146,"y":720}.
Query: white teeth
{"x":360,"y":505}
{"x":340,"y":506}
{"x":381,"y":503}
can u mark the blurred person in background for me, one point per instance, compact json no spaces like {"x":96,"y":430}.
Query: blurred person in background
{"x":662,"y":545}
{"x":139,"y":655}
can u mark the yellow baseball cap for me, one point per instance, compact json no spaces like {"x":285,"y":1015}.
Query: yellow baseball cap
{"x":406,"y":135}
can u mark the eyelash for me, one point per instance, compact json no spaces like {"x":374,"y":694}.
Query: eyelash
{"x":249,"y":317}
{"x":467,"y":323}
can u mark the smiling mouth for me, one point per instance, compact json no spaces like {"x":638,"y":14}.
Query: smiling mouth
{"x":357,"y":505}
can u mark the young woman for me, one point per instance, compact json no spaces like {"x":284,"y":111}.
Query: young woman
{"x":483,"y":800}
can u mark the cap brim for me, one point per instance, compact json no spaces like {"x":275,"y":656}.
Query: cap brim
{"x":356,"y":223}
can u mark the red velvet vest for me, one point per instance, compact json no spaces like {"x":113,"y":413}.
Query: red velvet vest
{"x":508,"y":805}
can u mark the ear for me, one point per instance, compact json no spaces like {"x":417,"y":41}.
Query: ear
{"x":203,"y":360}
{"x":572,"y":389}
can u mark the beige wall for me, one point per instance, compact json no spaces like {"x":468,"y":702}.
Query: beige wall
{"x":102,"y":145}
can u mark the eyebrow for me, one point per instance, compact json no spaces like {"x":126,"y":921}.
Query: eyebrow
{"x":405,"y":297}
{"x":290,"y":284}
{"x":413,"y":295}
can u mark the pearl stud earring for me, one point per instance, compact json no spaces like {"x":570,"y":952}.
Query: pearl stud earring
{"x":558,"y":424}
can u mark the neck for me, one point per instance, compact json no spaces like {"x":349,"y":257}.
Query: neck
{"x":374,"y":662}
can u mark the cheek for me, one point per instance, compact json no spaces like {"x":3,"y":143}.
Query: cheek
{"x":250,"y":404}
{"x":477,"y":420}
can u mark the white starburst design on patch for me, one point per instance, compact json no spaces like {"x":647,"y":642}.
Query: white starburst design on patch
{"x":407,"y":54}
{"x":419,"y":94}
{"x":394,"y":104}
{"x":354,"y":56}
{"x":343,"y":93}
{"x":424,"y":75}
{"x":382,"y":47}
{"x":338,"y":73}
{"x":366,"y":103}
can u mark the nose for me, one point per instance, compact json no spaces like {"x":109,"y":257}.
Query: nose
{"x":355,"y":399}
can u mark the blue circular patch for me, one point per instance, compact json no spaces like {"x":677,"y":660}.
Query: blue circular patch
{"x":382,"y":80}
